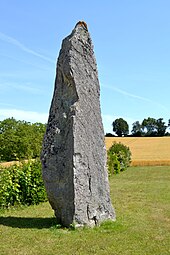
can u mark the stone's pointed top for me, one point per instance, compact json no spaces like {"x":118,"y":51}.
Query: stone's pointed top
{"x":82,"y":24}
{"x":79,"y":33}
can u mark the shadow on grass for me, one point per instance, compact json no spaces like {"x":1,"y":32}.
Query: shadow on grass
{"x":21,"y":222}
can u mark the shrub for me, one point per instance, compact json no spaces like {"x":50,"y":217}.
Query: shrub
{"x":21,"y":184}
{"x":118,"y":158}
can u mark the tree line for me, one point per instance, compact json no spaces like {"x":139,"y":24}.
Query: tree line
{"x":20,"y":139}
{"x":148,"y":127}
{"x":23,"y":140}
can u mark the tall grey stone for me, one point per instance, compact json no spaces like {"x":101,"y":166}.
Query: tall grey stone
{"x":74,"y":154}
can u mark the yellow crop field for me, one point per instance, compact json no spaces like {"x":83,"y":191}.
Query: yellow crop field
{"x":146,"y":151}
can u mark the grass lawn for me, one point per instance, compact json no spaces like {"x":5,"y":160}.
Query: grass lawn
{"x":141,"y":197}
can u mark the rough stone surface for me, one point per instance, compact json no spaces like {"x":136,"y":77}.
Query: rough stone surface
{"x":74,"y":154}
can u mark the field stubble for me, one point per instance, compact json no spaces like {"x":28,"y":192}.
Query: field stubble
{"x":146,"y":151}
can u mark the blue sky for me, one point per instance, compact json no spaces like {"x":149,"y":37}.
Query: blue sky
{"x":132,"y":47}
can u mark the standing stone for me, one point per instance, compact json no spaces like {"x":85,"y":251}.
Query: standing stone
{"x":74,"y":154}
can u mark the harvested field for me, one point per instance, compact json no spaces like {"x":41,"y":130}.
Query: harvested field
{"x":11,"y":163}
{"x":146,"y":151}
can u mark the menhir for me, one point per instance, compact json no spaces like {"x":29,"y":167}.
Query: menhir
{"x":74,"y":155}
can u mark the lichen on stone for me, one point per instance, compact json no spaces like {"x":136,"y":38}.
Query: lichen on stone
{"x":83,"y":24}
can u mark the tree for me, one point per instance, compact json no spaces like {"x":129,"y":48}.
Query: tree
{"x":149,"y":126}
{"x":120,"y":127}
{"x":137,"y":129}
{"x":169,"y":123}
{"x":153,"y":127}
{"x":161,"y":127}
{"x":38,"y":130}
{"x":20,"y":139}
{"x":8,"y":138}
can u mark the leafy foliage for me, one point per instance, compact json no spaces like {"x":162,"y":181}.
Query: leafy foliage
{"x":137,"y":129}
{"x":119,"y":158}
{"x":20,"y":139}
{"x":21,"y":184}
{"x":161,"y":127}
{"x":120,"y":127}
{"x":149,"y":127}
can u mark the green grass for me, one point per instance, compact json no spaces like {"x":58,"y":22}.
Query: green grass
{"x":141,"y":197}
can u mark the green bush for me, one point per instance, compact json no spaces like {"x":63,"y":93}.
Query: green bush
{"x":21,"y":185}
{"x":118,"y":158}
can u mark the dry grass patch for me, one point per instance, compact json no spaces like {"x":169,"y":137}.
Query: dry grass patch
{"x":18,"y":163}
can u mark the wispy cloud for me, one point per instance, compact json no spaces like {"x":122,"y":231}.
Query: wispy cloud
{"x":15,"y":42}
{"x":27,"y":87}
{"x":23,"y":115}
{"x":125,"y":93}
{"x":45,"y":67}
{"x":131,"y":95}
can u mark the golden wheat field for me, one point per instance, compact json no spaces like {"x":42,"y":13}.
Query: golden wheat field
{"x":146,"y":151}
